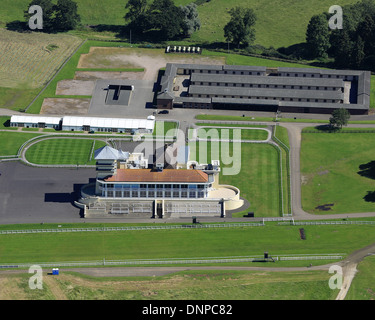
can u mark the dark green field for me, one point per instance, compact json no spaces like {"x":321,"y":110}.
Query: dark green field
{"x":184,"y":243}
{"x":64,"y":151}
{"x":338,"y":171}
{"x":279,"y":23}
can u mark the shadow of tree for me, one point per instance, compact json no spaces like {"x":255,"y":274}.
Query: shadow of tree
{"x":370,"y":196}
{"x":367,"y":170}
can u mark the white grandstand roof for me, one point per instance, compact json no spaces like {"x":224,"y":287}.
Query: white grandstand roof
{"x":109,"y":122}
{"x":108,"y":153}
{"x":34,"y":119}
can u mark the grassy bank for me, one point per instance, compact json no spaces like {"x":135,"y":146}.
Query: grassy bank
{"x":337,"y":172}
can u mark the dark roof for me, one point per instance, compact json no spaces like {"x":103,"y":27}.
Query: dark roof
{"x":270,"y":80}
{"x":266,"y":92}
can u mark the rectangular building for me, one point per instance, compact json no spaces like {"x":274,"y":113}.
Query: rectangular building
{"x":307,"y":90}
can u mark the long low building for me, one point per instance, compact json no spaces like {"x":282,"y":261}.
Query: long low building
{"x":29,"y":121}
{"x":121,"y":125}
{"x":306,"y":90}
{"x":73,"y":123}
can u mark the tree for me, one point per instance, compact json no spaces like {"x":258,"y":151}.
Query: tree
{"x":339,"y":118}
{"x":191,"y":19}
{"x":240,"y":28}
{"x":48,"y":14}
{"x":317,"y":36}
{"x":136,"y":8}
{"x":66,"y":15}
{"x":358,"y":54}
{"x":164,"y":16}
{"x":343,"y":48}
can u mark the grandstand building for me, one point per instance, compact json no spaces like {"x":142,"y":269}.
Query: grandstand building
{"x":295,"y":90}
{"x":124,"y":180}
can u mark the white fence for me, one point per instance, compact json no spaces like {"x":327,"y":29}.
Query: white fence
{"x":210,"y":260}
{"x":311,"y":223}
{"x":131,"y":228}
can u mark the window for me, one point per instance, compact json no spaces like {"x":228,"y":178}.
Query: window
{"x":134,"y":194}
{"x":126,"y":194}
{"x":118,"y":194}
{"x":143,"y":194}
{"x":159,"y":194}
{"x":192,"y":195}
{"x":176,"y":194}
{"x":110,"y":194}
{"x":167,"y":194}
{"x":183,"y":194}
{"x":151,"y":194}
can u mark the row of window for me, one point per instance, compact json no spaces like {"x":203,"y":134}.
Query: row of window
{"x":153,"y":194}
{"x":226,"y":84}
{"x":304,"y":75}
{"x":157,"y":186}
{"x":248,"y":73}
{"x":269,"y":98}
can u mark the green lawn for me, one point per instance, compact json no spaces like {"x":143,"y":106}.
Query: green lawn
{"x":165,"y":128}
{"x":279,"y":23}
{"x":363,"y":285}
{"x":185,"y":243}
{"x":256,"y":174}
{"x":222,"y":133}
{"x":10,"y":142}
{"x":63,"y":151}
{"x":338,"y":169}
{"x":225,"y":285}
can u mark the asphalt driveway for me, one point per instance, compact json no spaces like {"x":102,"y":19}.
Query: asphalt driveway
{"x":36,"y":195}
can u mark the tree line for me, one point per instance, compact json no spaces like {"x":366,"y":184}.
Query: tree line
{"x":60,"y":17}
{"x":159,"y":20}
{"x":350,"y":47}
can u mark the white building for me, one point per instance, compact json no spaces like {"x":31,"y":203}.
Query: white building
{"x":121,"y":125}
{"x":30,"y":121}
{"x":73,"y":123}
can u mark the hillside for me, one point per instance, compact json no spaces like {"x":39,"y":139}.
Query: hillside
{"x":280,"y":22}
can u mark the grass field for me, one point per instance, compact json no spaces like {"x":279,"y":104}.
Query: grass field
{"x":10,"y":142}
{"x":26,"y":64}
{"x":189,"y":285}
{"x":338,"y":170}
{"x":279,"y":23}
{"x":64,"y":151}
{"x":257,"y":176}
{"x":362,"y":287}
{"x":222,"y":133}
{"x":185,"y":243}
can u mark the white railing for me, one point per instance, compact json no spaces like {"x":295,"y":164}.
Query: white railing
{"x":130,"y":228}
{"x":174,"y":261}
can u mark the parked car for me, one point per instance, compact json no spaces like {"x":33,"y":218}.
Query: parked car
{"x":164,"y":112}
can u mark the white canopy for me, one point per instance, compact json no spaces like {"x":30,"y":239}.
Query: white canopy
{"x":35,"y":119}
{"x":109,"y":122}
